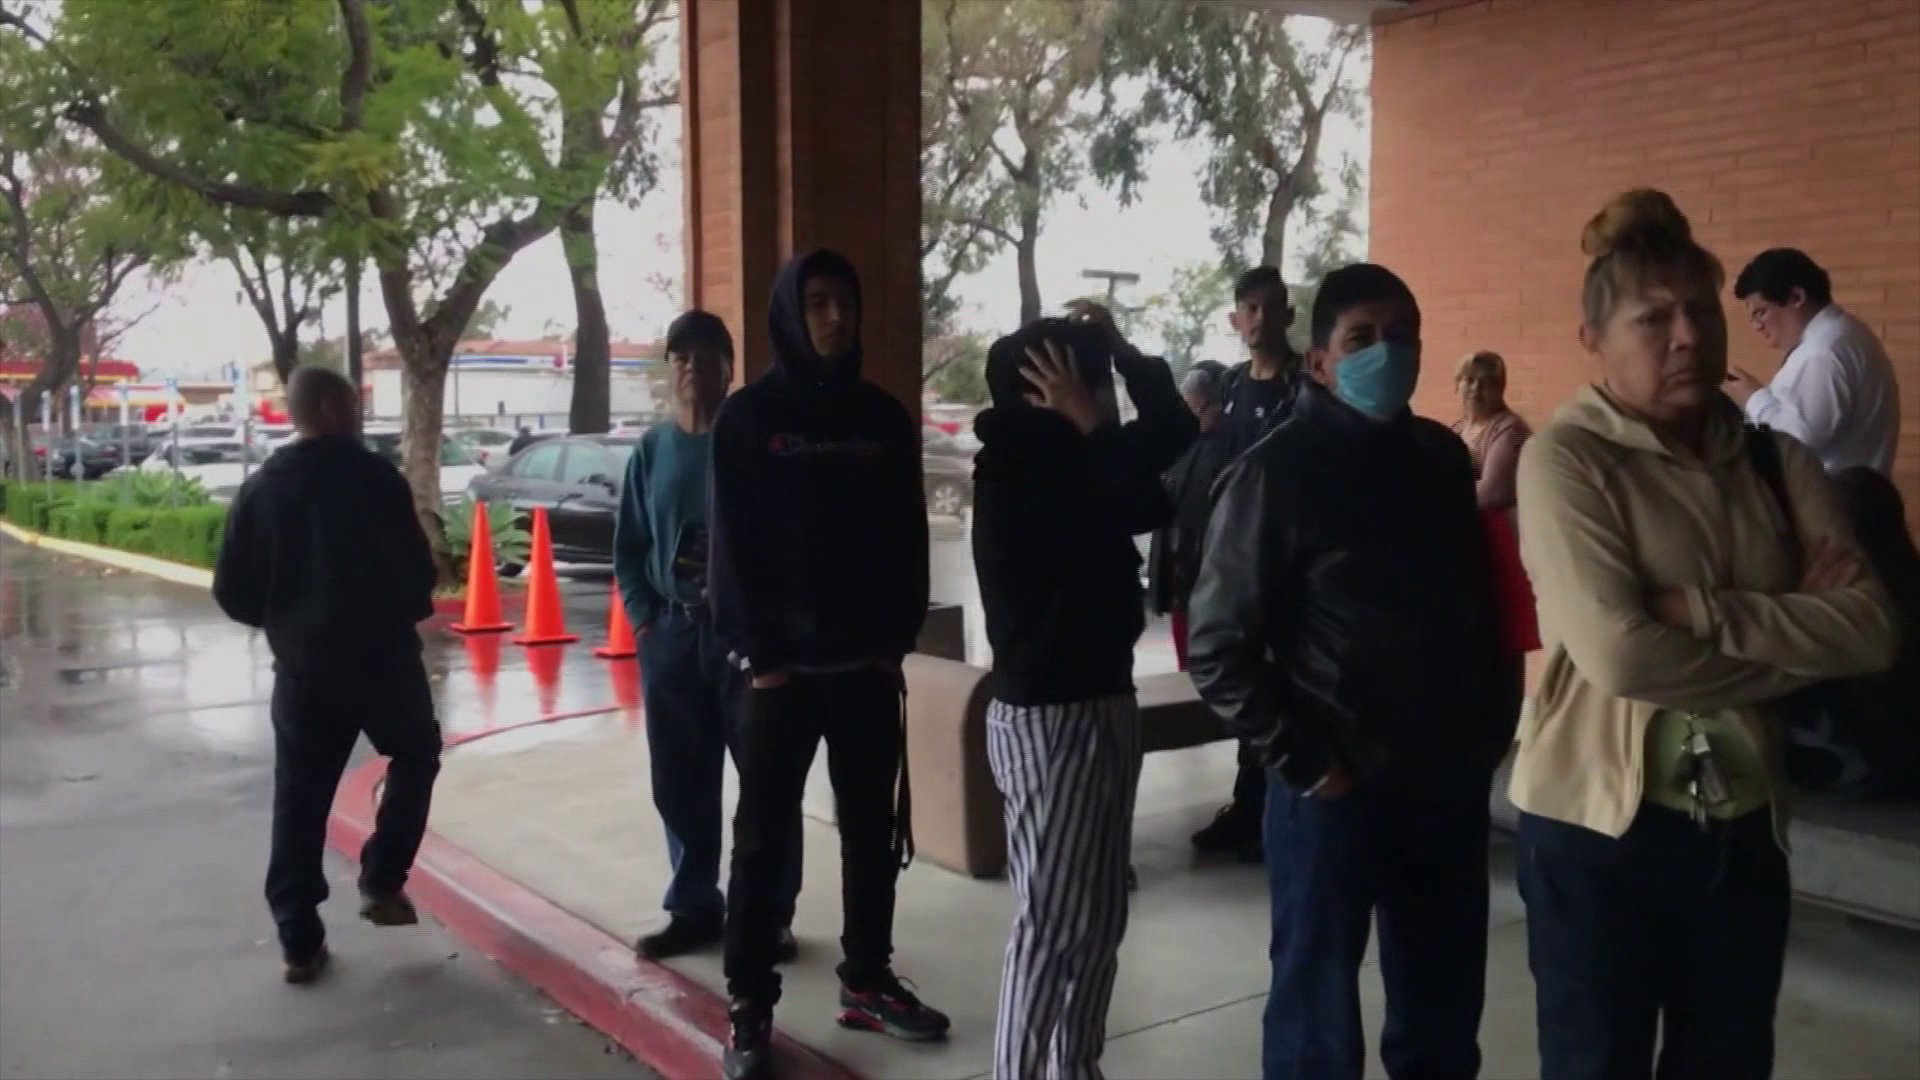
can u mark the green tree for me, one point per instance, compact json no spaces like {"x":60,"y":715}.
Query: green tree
{"x":392,"y":124}
{"x":1192,"y":309}
{"x":486,"y":320}
{"x":285,"y":274}
{"x":959,"y":369}
{"x":596,"y":57}
{"x":1015,"y":117}
{"x":69,"y":243}
{"x":1235,"y":76}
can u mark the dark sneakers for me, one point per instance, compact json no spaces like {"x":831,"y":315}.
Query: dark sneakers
{"x":682,"y":936}
{"x":1235,"y":831}
{"x":388,"y":909}
{"x":749,"y":1053}
{"x":304,"y":972}
{"x":679,"y":937}
{"x":888,"y":1005}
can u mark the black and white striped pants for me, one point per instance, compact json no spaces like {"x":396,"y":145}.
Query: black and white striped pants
{"x":1068,"y":774}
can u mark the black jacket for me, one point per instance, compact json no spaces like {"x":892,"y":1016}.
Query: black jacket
{"x":1344,"y":610}
{"x":818,"y":526}
{"x":1055,"y":513}
{"x":1173,"y":559}
{"x":323,"y":551}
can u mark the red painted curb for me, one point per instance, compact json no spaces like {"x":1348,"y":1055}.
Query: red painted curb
{"x":669,"y":1022}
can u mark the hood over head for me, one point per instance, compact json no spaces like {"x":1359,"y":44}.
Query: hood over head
{"x":793,"y":352}
{"x":1038,"y":436}
{"x":1008,"y":356}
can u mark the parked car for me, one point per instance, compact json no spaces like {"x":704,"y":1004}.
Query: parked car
{"x":135,"y":437}
{"x":489,"y":445}
{"x":458,"y":466}
{"x":168,"y":456}
{"x":79,"y":458}
{"x":577,"y":478}
{"x":948,"y":467}
{"x":220,"y":466}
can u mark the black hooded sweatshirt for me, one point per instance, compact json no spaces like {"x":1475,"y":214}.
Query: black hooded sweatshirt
{"x":323,"y":551}
{"x":1055,"y":513}
{"x":818,"y":528}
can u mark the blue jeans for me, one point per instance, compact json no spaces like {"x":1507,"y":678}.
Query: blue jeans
{"x":692,"y":697}
{"x":1671,"y":929}
{"x":1417,"y":862}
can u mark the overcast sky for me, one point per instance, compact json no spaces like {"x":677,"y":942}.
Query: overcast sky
{"x":200,"y":323}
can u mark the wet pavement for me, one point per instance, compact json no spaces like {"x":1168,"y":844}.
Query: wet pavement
{"x":135,"y":780}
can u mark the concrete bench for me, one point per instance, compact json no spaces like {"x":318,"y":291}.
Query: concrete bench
{"x":957,"y":821}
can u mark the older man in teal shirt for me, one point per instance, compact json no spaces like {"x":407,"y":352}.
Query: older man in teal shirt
{"x":690,"y":687}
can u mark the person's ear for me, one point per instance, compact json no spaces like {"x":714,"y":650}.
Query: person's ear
{"x":1796,"y":297}
{"x":1320,"y":364}
{"x":1286,"y":321}
{"x":1589,"y":340}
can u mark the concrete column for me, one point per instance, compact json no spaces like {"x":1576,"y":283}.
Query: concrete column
{"x":802,"y":131}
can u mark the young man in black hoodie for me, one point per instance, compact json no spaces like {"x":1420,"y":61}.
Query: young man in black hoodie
{"x":1344,"y":625}
{"x":818,"y":583}
{"x":1060,"y":490}
{"x":324,"y":553}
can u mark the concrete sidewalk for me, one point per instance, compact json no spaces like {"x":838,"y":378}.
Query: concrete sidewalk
{"x":564,"y":810}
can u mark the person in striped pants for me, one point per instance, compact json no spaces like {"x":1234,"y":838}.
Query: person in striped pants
{"x":1060,"y":490}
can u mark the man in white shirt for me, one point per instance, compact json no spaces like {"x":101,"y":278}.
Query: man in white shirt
{"x":1836,"y":390}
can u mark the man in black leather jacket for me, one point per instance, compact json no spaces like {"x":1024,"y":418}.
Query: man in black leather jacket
{"x":1343,"y":623}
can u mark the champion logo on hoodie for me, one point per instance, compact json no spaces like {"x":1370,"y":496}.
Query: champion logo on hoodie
{"x":792,"y":445}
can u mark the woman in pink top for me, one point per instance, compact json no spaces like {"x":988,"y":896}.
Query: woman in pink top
{"x":1493,"y":432}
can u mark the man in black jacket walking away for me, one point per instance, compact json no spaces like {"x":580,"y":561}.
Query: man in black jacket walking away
{"x":1060,"y":490}
{"x":324,"y":553}
{"x":1343,"y":623}
{"x":818,"y":583}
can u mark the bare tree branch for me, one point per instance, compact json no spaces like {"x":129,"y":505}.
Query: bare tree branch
{"x":287,"y":204}
{"x":484,"y":58}
{"x":359,"y":70}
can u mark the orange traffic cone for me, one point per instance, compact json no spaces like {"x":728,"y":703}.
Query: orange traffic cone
{"x":483,"y":587}
{"x":619,"y":644}
{"x":546,"y":622}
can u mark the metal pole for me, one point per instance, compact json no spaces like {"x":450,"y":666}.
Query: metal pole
{"x":353,"y":327}
{"x":173,"y":453}
{"x":73,"y":431}
{"x":46,"y":433}
{"x":126,"y":429}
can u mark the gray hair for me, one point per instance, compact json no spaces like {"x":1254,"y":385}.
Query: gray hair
{"x":1203,"y":382}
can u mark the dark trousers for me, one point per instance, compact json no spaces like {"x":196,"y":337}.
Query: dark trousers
{"x":692,"y":697}
{"x":1670,"y":928}
{"x":1250,"y":782}
{"x":859,"y":716}
{"x":316,"y":720}
{"x":1416,"y":862}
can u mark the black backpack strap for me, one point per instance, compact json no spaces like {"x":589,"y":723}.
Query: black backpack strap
{"x":1763,"y":453}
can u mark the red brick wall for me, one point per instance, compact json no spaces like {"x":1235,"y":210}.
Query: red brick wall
{"x":803,"y":131}
{"x":1500,"y":126}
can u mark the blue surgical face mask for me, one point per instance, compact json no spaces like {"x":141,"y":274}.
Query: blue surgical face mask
{"x":1378,"y":380}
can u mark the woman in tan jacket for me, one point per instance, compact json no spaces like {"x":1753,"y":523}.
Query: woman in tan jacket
{"x":1675,"y":610}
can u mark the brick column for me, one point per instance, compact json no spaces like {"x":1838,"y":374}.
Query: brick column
{"x":802,"y":131}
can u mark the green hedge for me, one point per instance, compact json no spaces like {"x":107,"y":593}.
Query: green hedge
{"x":185,"y":534}
{"x":190,"y":534}
{"x":30,"y":506}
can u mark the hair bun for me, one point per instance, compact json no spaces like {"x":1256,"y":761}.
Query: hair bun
{"x":1632,"y":218}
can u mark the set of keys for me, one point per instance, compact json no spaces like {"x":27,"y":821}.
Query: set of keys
{"x":1707,"y":785}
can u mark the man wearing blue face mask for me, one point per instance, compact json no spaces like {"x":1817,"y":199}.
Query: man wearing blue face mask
{"x":1342,"y":623}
